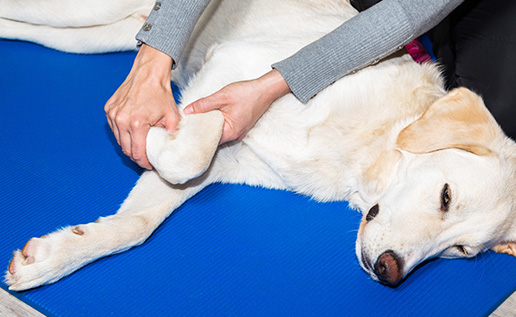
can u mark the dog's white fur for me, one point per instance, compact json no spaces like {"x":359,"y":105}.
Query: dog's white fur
{"x":388,"y":135}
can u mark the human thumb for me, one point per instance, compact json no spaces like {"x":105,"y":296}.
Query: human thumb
{"x":170,"y":121}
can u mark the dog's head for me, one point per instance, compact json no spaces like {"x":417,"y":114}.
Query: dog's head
{"x":452,"y":194}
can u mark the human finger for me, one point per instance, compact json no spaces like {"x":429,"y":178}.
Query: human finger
{"x":171,"y":118}
{"x":112,"y":125}
{"x":122,"y":132}
{"x":138,"y":145}
{"x":112,"y":108}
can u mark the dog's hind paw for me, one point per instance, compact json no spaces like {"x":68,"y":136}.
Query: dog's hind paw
{"x":187,"y":153}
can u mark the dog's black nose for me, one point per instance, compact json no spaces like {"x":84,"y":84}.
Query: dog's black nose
{"x":388,"y":268}
{"x":372,"y":212}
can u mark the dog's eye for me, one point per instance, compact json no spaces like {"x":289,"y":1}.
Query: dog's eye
{"x":462,"y":249}
{"x":457,"y":250}
{"x":445,"y":198}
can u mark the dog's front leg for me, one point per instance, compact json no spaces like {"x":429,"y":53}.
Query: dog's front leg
{"x":47,"y":259}
{"x":178,"y":157}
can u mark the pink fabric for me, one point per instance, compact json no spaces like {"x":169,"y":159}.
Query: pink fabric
{"x":418,"y":52}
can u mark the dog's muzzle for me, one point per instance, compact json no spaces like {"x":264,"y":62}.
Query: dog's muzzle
{"x":388,"y":267}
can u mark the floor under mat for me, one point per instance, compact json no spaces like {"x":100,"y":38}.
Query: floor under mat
{"x":230,"y":250}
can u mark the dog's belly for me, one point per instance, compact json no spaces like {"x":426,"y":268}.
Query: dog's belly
{"x":323,"y":148}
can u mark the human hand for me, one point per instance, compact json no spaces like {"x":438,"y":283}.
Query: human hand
{"x":143,"y":100}
{"x":242,"y":103}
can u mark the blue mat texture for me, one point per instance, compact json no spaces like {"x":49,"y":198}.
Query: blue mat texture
{"x":231,"y":250}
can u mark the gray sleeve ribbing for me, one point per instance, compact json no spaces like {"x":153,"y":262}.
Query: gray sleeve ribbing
{"x":170,"y":25}
{"x":371,"y":35}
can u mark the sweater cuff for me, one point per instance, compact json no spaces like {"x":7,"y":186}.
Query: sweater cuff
{"x":170,"y":24}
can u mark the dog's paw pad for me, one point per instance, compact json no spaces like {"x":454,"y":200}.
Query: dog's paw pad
{"x":78,"y":230}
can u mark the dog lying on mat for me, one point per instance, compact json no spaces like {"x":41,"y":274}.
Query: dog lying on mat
{"x":431,"y":170}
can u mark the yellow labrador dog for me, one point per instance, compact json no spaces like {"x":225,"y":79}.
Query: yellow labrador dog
{"x":431,"y":170}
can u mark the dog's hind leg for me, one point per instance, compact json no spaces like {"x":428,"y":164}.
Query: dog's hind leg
{"x":73,"y":13}
{"x":188,"y":152}
{"x":118,"y":36}
{"x":47,"y":259}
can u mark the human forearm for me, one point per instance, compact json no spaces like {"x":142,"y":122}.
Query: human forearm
{"x":371,"y":35}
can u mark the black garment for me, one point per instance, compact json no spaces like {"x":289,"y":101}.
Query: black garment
{"x":477,"y":46}
{"x":361,"y":5}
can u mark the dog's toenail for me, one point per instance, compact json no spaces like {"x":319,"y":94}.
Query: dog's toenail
{"x":77,"y":231}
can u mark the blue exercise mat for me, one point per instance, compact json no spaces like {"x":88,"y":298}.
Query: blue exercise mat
{"x":230,"y":250}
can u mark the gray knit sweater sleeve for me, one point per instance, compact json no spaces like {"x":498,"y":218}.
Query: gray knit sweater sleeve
{"x":170,"y":24}
{"x":371,"y":35}
{"x":358,"y":42}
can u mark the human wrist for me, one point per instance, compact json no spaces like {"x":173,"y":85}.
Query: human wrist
{"x":155,"y":63}
{"x":273,"y":85}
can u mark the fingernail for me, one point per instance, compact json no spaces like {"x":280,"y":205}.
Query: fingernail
{"x":188,"y":110}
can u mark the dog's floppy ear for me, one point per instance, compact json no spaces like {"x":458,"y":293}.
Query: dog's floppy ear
{"x":457,"y":120}
{"x":505,"y":247}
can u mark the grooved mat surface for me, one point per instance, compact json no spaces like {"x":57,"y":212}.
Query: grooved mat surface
{"x":231,"y":250}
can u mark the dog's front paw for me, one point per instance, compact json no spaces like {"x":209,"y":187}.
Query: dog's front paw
{"x":44,"y":260}
{"x":186,"y":153}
